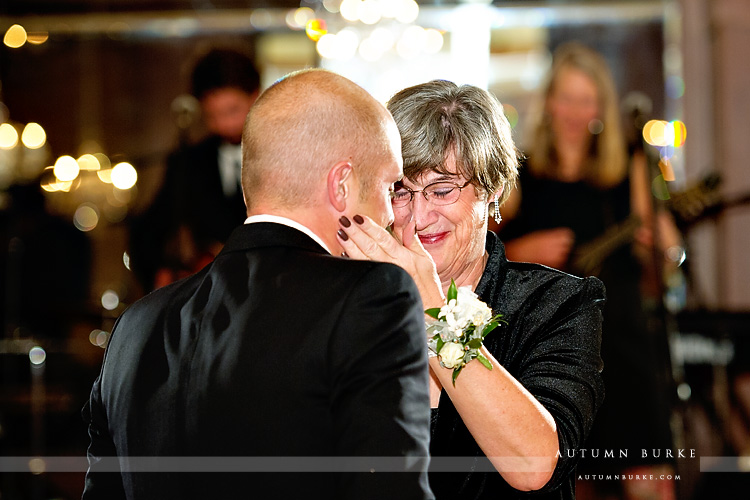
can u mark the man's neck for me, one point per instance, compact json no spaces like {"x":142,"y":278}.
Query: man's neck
{"x":318,"y":222}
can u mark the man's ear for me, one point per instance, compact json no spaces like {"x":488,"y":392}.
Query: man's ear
{"x":338,"y":184}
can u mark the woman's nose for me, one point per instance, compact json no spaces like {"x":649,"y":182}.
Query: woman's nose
{"x":422,"y":211}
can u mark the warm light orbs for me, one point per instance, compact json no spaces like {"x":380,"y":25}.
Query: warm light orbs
{"x":124,"y":176}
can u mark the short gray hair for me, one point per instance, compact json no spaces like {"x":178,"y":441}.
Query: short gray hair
{"x":439,"y":118}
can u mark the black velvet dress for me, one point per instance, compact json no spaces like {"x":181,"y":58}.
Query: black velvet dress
{"x":550,"y":345}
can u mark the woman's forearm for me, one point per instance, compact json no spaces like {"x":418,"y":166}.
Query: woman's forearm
{"x":512,"y":428}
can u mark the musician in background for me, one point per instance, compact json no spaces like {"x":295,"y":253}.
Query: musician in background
{"x":579,"y":182}
{"x":200,"y":202}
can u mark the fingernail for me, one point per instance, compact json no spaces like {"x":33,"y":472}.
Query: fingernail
{"x":358,"y":219}
{"x":344,"y":221}
{"x":343,"y":254}
{"x":342,"y":234}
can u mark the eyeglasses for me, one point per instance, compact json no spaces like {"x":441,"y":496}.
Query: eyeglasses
{"x":438,"y":193}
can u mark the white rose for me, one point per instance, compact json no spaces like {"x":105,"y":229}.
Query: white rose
{"x":451,"y":354}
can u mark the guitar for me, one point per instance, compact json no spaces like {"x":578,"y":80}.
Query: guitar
{"x":587,"y":259}
{"x":701,"y":201}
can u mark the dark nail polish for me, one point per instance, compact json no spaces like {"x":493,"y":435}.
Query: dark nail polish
{"x":344,"y":221}
{"x":343,"y":254}
{"x":342,"y":234}
{"x":358,"y":219}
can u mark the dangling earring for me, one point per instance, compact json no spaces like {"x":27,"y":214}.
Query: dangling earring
{"x":496,"y":211}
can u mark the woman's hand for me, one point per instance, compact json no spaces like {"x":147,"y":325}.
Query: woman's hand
{"x":550,"y":247}
{"x":363,"y":239}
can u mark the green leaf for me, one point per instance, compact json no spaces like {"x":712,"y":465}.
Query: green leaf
{"x":452,"y":291}
{"x":484,"y":361}
{"x":440,"y":344}
{"x":487,"y":329}
{"x":433,"y":312}
{"x":456,"y":371}
{"x":475,"y":343}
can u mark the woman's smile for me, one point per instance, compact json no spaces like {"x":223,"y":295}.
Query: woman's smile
{"x":432,"y":238}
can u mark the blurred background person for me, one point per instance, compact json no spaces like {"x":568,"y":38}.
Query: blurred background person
{"x":201,"y":200}
{"x":584,"y":205}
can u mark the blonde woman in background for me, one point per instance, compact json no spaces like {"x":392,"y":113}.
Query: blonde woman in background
{"x":584,"y":206}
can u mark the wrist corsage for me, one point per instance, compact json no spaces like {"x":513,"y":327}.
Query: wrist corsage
{"x":458,"y":329}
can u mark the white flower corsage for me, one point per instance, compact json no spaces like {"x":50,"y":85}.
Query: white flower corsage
{"x":459,"y":327}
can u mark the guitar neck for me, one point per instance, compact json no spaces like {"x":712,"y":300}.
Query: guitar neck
{"x":588,"y":257}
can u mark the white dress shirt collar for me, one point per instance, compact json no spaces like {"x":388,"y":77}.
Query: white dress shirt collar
{"x":287,"y":222}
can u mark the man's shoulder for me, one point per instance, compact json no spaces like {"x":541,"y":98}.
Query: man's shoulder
{"x":379,"y":277}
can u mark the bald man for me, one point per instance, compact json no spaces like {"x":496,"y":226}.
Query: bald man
{"x":281,"y":370}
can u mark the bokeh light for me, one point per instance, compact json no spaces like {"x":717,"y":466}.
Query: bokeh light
{"x":99,"y":338}
{"x":667,"y":171}
{"x":675,"y":87}
{"x":315,"y":29}
{"x":596,"y":126}
{"x":88,"y":163}
{"x":103,"y":160}
{"x":110,"y":300}
{"x":653,"y":132}
{"x":408,"y":11}
{"x":679,"y":132}
{"x":15,"y":37}
{"x":412,"y":42}
{"x":53,"y":185}
{"x":332,"y":6}
{"x":86,"y":217}
{"x":659,"y":188}
{"x":684,"y":391}
{"x":37,"y":37}
{"x":33,"y":136}
{"x":369,"y":11}
{"x":370,"y":50}
{"x":124,"y":176}
{"x":348,"y":41}
{"x":297,"y":19}
{"x":37,"y":355}
{"x":660,"y":133}
{"x":37,"y":466}
{"x":390,"y":8}
{"x":303,"y":15}
{"x":326,"y":46}
{"x":433,"y":41}
{"x":350,"y":10}
{"x":261,"y":19}
{"x":66,"y":168}
{"x":511,"y":113}
{"x":105,"y":175}
{"x":8,"y":136}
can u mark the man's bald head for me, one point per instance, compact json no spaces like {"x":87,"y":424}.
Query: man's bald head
{"x":300,"y":127}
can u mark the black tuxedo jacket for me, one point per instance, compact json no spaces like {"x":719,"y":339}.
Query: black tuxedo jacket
{"x":276,"y":349}
{"x":193,"y":187}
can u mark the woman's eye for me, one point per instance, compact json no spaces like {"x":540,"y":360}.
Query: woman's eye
{"x":441,"y":192}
